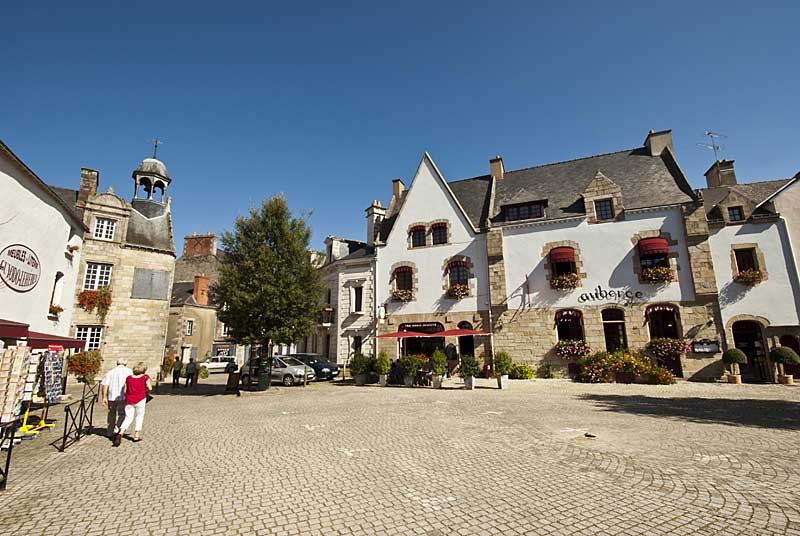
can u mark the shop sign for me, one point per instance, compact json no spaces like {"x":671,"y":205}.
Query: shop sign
{"x":620,"y":295}
{"x":55,"y":348}
{"x":19,"y":268}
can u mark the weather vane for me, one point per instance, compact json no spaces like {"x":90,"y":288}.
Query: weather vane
{"x":156,"y":142}
{"x":714,"y":146}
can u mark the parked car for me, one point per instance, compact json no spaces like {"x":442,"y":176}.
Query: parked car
{"x":219,"y":364}
{"x":286,"y":370}
{"x":324,"y":369}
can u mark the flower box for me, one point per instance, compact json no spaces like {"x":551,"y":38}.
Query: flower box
{"x":99,"y":299}
{"x":458,"y":291}
{"x":750,"y":277}
{"x":565,"y":281}
{"x":572,"y":349}
{"x":658,"y":275}
{"x":55,"y":310}
{"x":402,"y":295}
{"x":668,"y":348}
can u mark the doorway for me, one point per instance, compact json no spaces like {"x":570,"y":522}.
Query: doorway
{"x":466,"y":344}
{"x":424,"y":346}
{"x":747,"y":337}
{"x":614,"y":330}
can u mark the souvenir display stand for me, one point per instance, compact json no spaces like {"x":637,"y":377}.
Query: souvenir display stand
{"x":45,"y":374}
{"x":15,"y":366}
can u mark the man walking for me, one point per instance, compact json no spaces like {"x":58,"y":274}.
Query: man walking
{"x":112,"y":396}
{"x":176,"y":372}
{"x":191,"y":371}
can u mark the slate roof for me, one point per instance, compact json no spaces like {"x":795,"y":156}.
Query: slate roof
{"x":150,"y":226}
{"x":757,"y":192}
{"x":70,"y":197}
{"x":474,"y":196}
{"x":182,"y":294}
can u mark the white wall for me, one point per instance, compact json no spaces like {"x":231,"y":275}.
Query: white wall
{"x":606,"y":251}
{"x":775,"y":298}
{"x":29,"y":216}
{"x":428,"y":200}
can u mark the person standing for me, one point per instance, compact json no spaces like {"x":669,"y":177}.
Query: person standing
{"x":112,"y":395}
{"x":191,"y":372}
{"x":137,"y":385}
{"x":177,"y":367}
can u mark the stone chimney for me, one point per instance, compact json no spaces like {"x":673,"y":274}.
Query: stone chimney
{"x":496,"y":168}
{"x":199,"y":245}
{"x":200,"y":291}
{"x":656,"y":142}
{"x":90,"y":180}
{"x":397,"y":188}
{"x":721,"y":173}
{"x":375,"y":215}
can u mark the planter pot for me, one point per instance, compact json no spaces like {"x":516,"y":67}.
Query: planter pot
{"x":624,"y":377}
{"x":408,"y":380}
{"x":360,"y":379}
{"x":734,"y":378}
{"x":502,"y":381}
{"x":786,"y":379}
{"x":437,"y":382}
{"x":469,"y":383}
{"x":383,"y":379}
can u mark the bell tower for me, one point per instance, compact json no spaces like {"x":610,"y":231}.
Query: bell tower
{"x":151,"y":180}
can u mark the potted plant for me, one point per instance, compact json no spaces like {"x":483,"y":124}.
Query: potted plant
{"x":100,"y":299}
{"x":572,"y":348}
{"x":55,"y":310}
{"x":783,"y":355}
{"x":408,"y":366}
{"x":72,"y":248}
{"x":658,"y":275}
{"x":734,"y":357}
{"x":402,"y":295}
{"x":85,"y":365}
{"x":383,"y":365}
{"x":568,"y":281}
{"x":751,"y":277}
{"x":502,"y":366}
{"x":437,"y":363}
{"x":458,"y":291}
{"x":359,"y":367}
{"x":469,"y":370}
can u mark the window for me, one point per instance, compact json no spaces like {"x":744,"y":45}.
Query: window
{"x":403,"y":278}
{"x":358,"y":299}
{"x":459,"y":274}
{"x":357,"y":343}
{"x":604,"y":209}
{"x":417,"y":237}
{"x":525,"y":211}
{"x":91,"y":334}
{"x":97,"y":276}
{"x":735,"y":214}
{"x":439,"y":232}
{"x":225,"y":330}
{"x":614,"y":329}
{"x":663,"y":323}
{"x":746,"y":259}
{"x":569,"y":325}
{"x":104,"y":229}
{"x":328,"y":296}
{"x":189,"y":327}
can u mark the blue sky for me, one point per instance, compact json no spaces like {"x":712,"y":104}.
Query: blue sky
{"x":327,"y":102}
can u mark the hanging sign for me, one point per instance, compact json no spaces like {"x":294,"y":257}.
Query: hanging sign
{"x":19,"y":268}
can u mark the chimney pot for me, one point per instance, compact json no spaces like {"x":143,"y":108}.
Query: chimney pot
{"x":721,"y":173}
{"x":656,"y":142}
{"x":90,"y":180}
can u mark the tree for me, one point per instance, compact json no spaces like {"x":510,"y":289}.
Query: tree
{"x":268,"y":290}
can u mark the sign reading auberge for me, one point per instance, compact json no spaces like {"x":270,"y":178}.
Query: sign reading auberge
{"x":19,"y":268}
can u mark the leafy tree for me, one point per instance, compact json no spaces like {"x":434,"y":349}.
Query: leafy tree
{"x":268,"y":289}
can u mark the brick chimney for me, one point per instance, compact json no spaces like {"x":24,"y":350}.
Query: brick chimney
{"x":199,"y":245}
{"x":375,"y":215}
{"x":200,"y":291}
{"x":90,"y":180}
{"x":496,"y":168}
{"x":656,"y":142}
{"x":721,"y":173}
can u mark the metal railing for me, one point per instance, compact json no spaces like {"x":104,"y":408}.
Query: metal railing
{"x":78,"y":418}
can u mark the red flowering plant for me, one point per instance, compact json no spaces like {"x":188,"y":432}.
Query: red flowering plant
{"x":99,"y":299}
{"x":402,"y":295}
{"x":751,"y":277}
{"x":458,"y":291}
{"x":55,"y":310}
{"x":572,"y":348}
{"x":657,"y":275}
{"x":85,"y":365}
{"x":668,"y":348}
{"x":602,"y":367}
{"x":565,"y":281}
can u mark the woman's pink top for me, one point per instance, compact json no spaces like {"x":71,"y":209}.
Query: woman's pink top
{"x":136,"y":389}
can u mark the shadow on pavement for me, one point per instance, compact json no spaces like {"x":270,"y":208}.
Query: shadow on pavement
{"x":778,"y":414}
{"x":201,"y":389}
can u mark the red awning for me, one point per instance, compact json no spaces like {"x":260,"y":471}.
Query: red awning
{"x":653,"y":246}
{"x":566,"y":314}
{"x":459,"y":333}
{"x":402,"y":335}
{"x":562,"y":254}
{"x":12,"y":330}
{"x":659,"y":307}
{"x":43,"y":340}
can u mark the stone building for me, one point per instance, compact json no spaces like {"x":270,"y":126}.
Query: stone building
{"x":194,"y":329}
{"x":129,"y":249}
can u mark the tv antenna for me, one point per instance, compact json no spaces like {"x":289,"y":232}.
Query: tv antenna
{"x":156,"y":142}
{"x":714,"y":144}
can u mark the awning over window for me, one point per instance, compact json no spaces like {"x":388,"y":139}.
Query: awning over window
{"x":562,"y":254}
{"x":44,"y":340}
{"x":659,"y":307}
{"x":12,"y":330}
{"x":653,"y":246}
{"x":568,"y":314}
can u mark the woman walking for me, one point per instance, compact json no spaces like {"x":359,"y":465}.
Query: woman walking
{"x":136,"y":388}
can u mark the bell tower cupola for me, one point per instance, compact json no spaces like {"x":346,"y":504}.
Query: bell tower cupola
{"x":151,"y":180}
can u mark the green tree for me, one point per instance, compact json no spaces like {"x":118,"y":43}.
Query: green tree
{"x":268,"y":289}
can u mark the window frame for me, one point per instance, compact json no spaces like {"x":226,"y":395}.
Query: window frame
{"x":740,"y":210}
{"x":438,"y":228}
{"x":602,"y":202}
{"x":188,"y":329}
{"x":90,"y":333}
{"x":753,"y":257}
{"x":95,"y":275}
{"x":524,"y":211}
{"x":358,"y":299}
{"x":457,"y":267}
{"x":404,"y":270}
{"x":102,"y":226}
{"x":415,"y":233}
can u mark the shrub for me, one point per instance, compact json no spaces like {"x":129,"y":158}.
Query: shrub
{"x":410,"y":364}
{"x":572,"y":349}
{"x":751,"y":277}
{"x":383,"y":365}
{"x":85,"y":365}
{"x":202,"y":372}
{"x":668,"y":348}
{"x":783,"y":355}
{"x":602,"y":366}
{"x":548,"y":371}
{"x":657,"y":275}
{"x":360,"y":364}
{"x":521,"y":371}
{"x":734,"y":357}
{"x":437,"y":362}
{"x":469,"y":366}
{"x":502,"y":363}
{"x":565,"y":281}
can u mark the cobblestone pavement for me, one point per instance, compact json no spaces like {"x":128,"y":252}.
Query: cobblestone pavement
{"x":697,"y":459}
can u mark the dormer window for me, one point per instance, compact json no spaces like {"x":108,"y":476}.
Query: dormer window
{"x":104,"y":229}
{"x":604,"y":209}
{"x":418,"y":237}
{"x":439,"y":233}
{"x":735,"y":214}
{"x":524,"y":211}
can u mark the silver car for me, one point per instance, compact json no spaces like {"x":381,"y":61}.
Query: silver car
{"x":286,"y":370}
